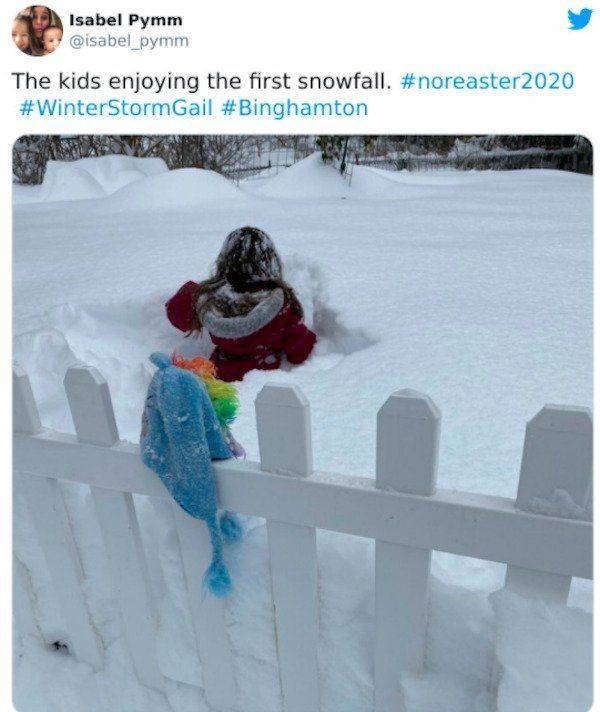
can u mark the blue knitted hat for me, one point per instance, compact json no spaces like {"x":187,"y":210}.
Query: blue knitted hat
{"x":180,"y":437}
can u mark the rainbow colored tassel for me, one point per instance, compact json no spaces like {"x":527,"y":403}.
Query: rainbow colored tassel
{"x":223,"y":395}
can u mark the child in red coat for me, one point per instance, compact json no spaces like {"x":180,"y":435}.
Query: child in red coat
{"x":252,"y":315}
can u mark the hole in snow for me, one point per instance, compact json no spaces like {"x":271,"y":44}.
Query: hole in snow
{"x":341,"y":339}
{"x":60,"y":647}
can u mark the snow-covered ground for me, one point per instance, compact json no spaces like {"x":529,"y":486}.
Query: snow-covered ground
{"x":475,"y":288}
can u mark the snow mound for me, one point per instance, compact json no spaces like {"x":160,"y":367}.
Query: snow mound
{"x":45,"y":355}
{"x":381,"y":184}
{"x":112,"y":172}
{"x":183,"y":187}
{"x":95,"y":177}
{"x":69,"y":183}
{"x":115,"y":338}
{"x":309,"y":178}
{"x":308,"y":280}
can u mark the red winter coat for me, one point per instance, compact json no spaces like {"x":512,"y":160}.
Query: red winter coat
{"x":261,"y":330}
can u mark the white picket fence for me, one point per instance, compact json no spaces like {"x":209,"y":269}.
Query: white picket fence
{"x":401,"y":509}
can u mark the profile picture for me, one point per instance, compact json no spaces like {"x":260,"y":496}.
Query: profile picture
{"x":37,"y":30}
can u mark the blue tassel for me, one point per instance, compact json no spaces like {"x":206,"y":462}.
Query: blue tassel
{"x":231,"y":529}
{"x":216,"y":578}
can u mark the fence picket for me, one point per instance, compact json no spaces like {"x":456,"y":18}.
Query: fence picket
{"x":51,"y":522}
{"x":557,"y":456}
{"x":26,"y":418}
{"x":93,"y":416}
{"x":284,"y":436}
{"x":23,"y":611}
{"x":53,"y":528}
{"x":407,"y":453}
{"x":91,"y":406}
{"x":208,"y":613}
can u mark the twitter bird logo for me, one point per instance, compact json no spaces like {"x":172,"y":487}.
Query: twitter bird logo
{"x":581,"y":19}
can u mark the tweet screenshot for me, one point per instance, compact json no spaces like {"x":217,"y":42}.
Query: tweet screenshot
{"x":298,"y":302}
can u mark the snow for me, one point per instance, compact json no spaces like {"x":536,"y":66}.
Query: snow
{"x":553,"y":644}
{"x":560,"y":504}
{"x":27,"y":193}
{"x":474,"y":288}
{"x":378,"y":183}
{"x":89,"y":178}
{"x":69,"y":183}
{"x":308,"y":178}
{"x":183,"y":187}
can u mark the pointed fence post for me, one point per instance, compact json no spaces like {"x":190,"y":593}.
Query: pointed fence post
{"x":207,"y":612}
{"x":408,"y":428}
{"x":52,"y":525}
{"x":556,"y":467}
{"x":93,"y":416}
{"x":26,"y":418}
{"x":284,"y":438}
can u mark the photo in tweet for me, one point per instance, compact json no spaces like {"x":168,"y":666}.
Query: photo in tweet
{"x":359,"y":343}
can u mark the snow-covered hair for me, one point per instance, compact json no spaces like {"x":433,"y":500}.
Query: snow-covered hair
{"x":249,"y":262}
{"x":248,"y":255}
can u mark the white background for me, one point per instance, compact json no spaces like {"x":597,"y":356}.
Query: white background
{"x":327,"y":37}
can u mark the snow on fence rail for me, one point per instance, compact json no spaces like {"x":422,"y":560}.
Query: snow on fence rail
{"x":401,"y":509}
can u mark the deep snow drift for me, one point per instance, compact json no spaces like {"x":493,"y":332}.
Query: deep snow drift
{"x":89,"y":178}
{"x":306,"y":179}
{"x":174,"y":189}
{"x":472,"y":287}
